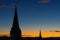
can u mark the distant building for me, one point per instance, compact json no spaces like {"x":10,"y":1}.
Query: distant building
{"x":40,"y":36}
{"x":15,"y":32}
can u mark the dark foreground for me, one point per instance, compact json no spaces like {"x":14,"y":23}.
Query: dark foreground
{"x":31,"y":38}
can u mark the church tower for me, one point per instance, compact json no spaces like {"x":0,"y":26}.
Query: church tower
{"x":40,"y":36}
{"x":15,"y":32}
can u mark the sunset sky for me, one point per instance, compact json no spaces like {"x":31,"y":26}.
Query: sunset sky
{"x":34,"y":15}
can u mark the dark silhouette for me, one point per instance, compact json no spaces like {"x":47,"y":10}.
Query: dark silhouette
{"x":40,"y":36}
{"x":15,"y":32}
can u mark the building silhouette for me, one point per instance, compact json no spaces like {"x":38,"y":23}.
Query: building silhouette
{"x":15,"y":32}
{"x":40,"y":36}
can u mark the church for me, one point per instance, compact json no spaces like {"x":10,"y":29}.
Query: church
{"x":15,"y":32}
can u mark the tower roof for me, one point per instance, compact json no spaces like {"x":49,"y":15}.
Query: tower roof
{"x":15,"y":32}
{"x":40,"y":36}
{"x":15,"y":20}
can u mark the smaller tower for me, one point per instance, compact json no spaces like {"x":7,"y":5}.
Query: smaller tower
{"x":40,"y":36}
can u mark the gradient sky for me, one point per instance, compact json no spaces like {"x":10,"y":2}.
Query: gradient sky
{"x":34,"y":15}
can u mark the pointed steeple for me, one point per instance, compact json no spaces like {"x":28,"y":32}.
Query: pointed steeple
{"x":15,"y":20}
{"x":15,"y":32}
{"x":40,"y":36}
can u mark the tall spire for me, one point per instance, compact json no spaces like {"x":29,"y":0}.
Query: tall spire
{"x":40,"y":36}
{"x":15,"y":32}
{"x":15,"y":20}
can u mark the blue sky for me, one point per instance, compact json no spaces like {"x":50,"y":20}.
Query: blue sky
{"x":33,"y":15}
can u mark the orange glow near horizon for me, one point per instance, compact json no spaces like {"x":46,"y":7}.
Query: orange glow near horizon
{"x":44,"y":35}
